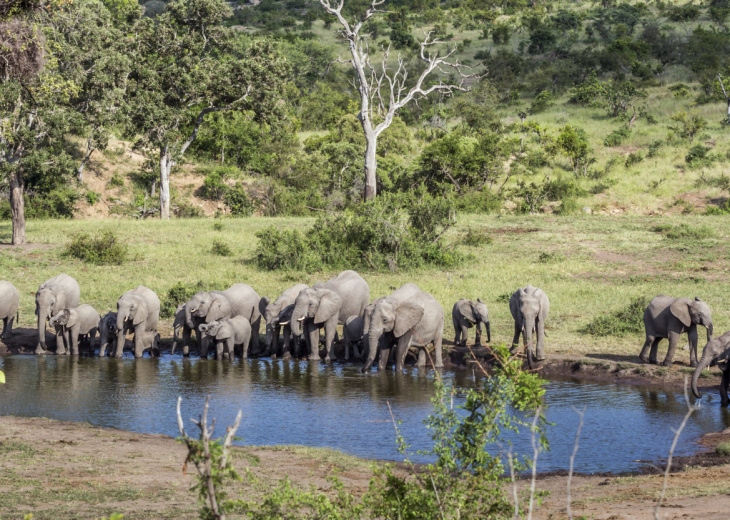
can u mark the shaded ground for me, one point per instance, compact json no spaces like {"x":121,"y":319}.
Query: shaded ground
{"x":59,"y":470}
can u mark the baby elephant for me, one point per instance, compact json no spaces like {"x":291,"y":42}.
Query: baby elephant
{"x":466,"y":314}
{"x":108,"y":336}
{"x":717,"y":351}
{"x":232,"y":331}
{"x":352,"y":334}
{"x":72,"y":323}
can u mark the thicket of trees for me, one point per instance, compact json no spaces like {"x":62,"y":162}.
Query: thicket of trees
{"x":183,"y":80}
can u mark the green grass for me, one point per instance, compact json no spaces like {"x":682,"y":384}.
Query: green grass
{"x":607,"y":263}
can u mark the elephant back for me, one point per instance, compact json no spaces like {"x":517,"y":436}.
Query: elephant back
{"x":65,"y":288}
{"x":354,"y":291}
{"x":244,"y":301}
{"x":431,"y":324}
{"x":153,"y":305}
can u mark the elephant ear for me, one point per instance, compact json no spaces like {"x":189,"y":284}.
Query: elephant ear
{"x":225,"y":331}
{"x":680,"y":310}
{"x":407,"y":315}
{"x":263,"y":303}
{"x":216,"y":311}
{"x":141,"y":313}
{"x":329,"y":304}
{"x":467,"y":310}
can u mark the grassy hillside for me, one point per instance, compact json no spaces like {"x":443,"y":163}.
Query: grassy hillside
{"x":588,"y":266}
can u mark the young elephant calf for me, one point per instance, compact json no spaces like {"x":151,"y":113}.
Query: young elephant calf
{"x":72,"y":323}
{"x":352,"y":334}
{"x":233,"y":331}
{"x":108,"y":336}
{"x":465,"y":315}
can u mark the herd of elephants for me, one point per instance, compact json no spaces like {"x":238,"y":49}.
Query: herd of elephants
{"x":386,"y":327}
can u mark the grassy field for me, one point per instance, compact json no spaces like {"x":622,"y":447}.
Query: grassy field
{"x":588,"y":266}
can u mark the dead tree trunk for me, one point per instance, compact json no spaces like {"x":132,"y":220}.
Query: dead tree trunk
{"x":371,"y":166}
{"x":165,"y":168}
{"x":17,"y":205}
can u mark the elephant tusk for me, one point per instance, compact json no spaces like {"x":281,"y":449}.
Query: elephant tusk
{"x":284,"y":323}
{"x":301,"y":319}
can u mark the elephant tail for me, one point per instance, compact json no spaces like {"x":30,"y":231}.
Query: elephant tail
{"x":17,"y":316}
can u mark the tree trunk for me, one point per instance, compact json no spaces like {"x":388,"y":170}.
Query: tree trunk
{"x":17,"y":206}
{"x":371,"y":166}
{"x":728,"y":110}
{"x":165,"y":167}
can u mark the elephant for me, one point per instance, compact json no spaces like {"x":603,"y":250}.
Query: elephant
{"x":466,"y":314}
{"x":72,"y":323}
{"x":717,"y":351}
{"x":9,"y":304}
{"x":272,"y":314}
{"x":667,"y":317}
{"x":327,"y":305}
{"x":408,"y":316}
{"x":352,"y":334}
{"x":107,"y":332}
{"x":180,"y":324}
{"x":238,"y":300}
{"x":60,"y":292}
{"x":137,"y":310}
{"x":529,"y":307}
{"x":232,"y":331}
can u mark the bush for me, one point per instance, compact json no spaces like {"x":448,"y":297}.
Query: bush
{"x":238,"y":202}
{"x":541,"y":102}
{"x":104,"y":249}
{"x":696,"y":154}
{"x":629,"y":320}
{"x":683,"y":13}
{"x":220,"y":248}
{"x":92,"y":197}
{"x":684,"y":231}
{"x":218,"y":226}
{"x":634,"y":158}
{"x":116,"y":181}
{"x":722,"y":209}
{"x":476,"y":237}
{"x":723,"y":449}
{"x":184,"y":209}
{"x":654,"y":148}
{"x":616,"y":137}
{"x":378,"y":235}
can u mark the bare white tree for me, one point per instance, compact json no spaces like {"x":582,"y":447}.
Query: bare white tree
{"x":383,"y":91}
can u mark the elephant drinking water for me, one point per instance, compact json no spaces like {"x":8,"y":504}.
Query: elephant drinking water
{"x":138,"y":310}
{"x":717,"y":351}
{"x":58,"y":293}
{"x":327,"y":305}
{"x":274,"y":323}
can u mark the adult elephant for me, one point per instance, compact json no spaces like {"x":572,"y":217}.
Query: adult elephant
{"x":238,"y":300}
{"x":717,"y":351}
{"x":9,"y":303}
{"x":327,"y":305}
{"x":408,"y":316}
{"x":272,"y":315}
{"x":667,"y":317}
{"x":138,"y":310}
{"x":58,"y":293}
{"x":529,"y":307}
{"x":465,"y":315}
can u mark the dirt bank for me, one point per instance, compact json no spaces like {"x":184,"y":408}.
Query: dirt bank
{"x":63,"y":470}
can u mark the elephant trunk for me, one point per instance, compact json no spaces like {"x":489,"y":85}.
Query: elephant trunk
{"x":121,"y":318}
{"x":707,"y":357}
{"x":489,"y":332}
{"x":189,"y":318}
{"x":175,"y":336}
{"x":297,"y":317}
{"x":373,"y":341}
{"x":709,"y":331}
{"x":270,"y":336}
{"x":43,"y":314}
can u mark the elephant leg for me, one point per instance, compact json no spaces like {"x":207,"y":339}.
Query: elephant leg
{"x":673,"y":341}
{"x":654,"y":351}
{"x":255,"y":336}
{"x":384,"y":350}
{"x":121,"y":337}
{"x":421,"y":357}
{"x":478,"y":339}
{"x":330,"y":336}
{"x":7,"y":325}
{"x":186,"y":341}
{"x":403,"y":343}
{"x":231,"y":349}
{"x":286,"y":343}
{"x":74,"y":342}
{"x":457,"y":333}
{"x":139,"y":341}
{"x":516,"y":338}
{"x":645,"y":349}
{"x":92,"y":342}
{"x":61,"y":340}
{"x":540,"y":351}
{"x":203,"y":342}
{"x":313,"y":340}
{"x":438,"y":360}
{"x":219,"y":350}
{"x":724,"y":383}
{"x":693,"y":339}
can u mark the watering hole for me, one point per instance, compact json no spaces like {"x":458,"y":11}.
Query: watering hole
{"x":291,"y":402}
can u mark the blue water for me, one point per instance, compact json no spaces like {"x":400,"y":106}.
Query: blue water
{"x":294,"y":402}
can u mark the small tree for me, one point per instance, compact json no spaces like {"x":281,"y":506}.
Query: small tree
{"x":383,"y":92}
{"x":573,"y":142}
{"x":690,"y":124}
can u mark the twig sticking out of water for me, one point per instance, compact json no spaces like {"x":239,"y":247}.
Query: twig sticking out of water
{"x":535,"y":453}
{"x":690,"y":410}
{"x":572,"y":457}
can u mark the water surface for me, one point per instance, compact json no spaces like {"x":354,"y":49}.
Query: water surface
{"x":336,"y":406}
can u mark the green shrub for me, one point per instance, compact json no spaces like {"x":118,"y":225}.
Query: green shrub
{"x":697,"y":153}
{"x":723,"y":449}
{"x":568,"y":206}
{"x":654,"y":148}
{"x":116,"y":181}
{"x":542,"y":102}
{"x":92,"y":197}
{"x":550,"y":258}
{"x":217,"y":226}
{"x":722,"y":209}
{"x":388,"y":233}
{"x":634,"y":158}
{"x":484,"y":201}
{"x":680,"y":90}
{"x":220,"y":248}
{"x":684,"y":231}
{"x":476,"y":237}
{"x":104,"y":249}
{"x":617,"y":137}
{"x":683,"y":13}
{"x":504,"y":297}
{"x":184,"y":209}
{"x":238,"y":202}
{"x":629,"y":320}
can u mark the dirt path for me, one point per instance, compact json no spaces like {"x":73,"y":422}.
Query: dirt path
{"x":62,"y":470}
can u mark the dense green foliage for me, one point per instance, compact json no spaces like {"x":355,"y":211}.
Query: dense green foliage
{"x":629,"y":320}
{"x":104,"y":249}
{"x":385,"y":234}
